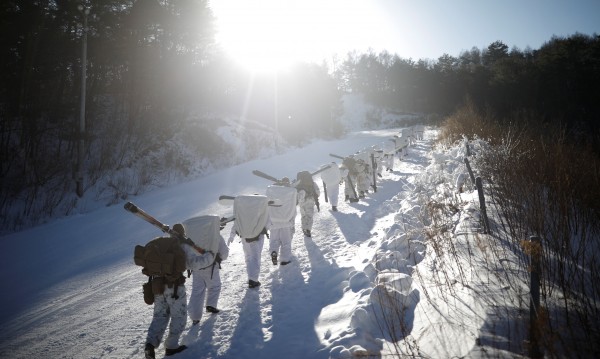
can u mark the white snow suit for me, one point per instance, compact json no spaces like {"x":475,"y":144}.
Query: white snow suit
{"x":388,"y":161}
{"x":348,"y":192}
{"x":332,"y":178}
{"x":251,"y":217}
{"x":362,"y":178}
{"x":378,"y":161}
{"x":282,"y":218}
{"x":419,"y":129}
{"x":389,"y":150}
{"x":307,"y":205}
{"x":206,"y":284}
{"x":172,"y":311}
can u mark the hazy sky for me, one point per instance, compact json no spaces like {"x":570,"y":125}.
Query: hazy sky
{"x":271,"y":33}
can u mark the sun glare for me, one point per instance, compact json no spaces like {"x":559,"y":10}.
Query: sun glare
{"x":270,"y":35}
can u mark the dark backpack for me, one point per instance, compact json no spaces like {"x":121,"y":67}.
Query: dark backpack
{"x":305,"y":182}
{"x":163,"y":260}
{"x":350,"y":164}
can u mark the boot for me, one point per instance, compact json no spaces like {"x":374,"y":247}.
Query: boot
{"x":149,"y":351}
{"x":169,"y":352}
{"x":211,"y":309}
{"x":253,"y":284}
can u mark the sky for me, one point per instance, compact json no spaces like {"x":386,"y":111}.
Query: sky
{"x":272,"y":33}
{"x":76,"y":293}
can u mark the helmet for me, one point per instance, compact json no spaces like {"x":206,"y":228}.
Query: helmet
{"x":178,"y":227}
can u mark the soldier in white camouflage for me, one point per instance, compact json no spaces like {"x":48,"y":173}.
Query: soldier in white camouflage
{"x":170,"y":307}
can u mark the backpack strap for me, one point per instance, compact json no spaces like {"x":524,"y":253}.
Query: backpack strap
{"x":176,"y":285}
{"x":175,"y":296}
{"x":212,"y":270}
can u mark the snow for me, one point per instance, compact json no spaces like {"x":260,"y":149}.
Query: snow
{"x":72,"y":290}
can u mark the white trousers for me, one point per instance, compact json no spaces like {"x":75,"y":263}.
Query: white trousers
{"x":363,"y":182}
{"x":333,"y":193}
{"x":389,"y":162}
{"x":348,"y":188}
{"x":168,"y":311}
{"x":252,"y":252}
{"x":281,"y":242}
{"x":204,"y":287}
{"x":307,"y":212}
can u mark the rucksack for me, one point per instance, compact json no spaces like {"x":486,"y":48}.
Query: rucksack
{"x":204,"y":232}
{"x":304,"y":181}
{"x":350,"y":164}
{"x":251,"y":216}
{"x":163,"y":260}
{"x":284,"y":214}
{"x":331,"y":176}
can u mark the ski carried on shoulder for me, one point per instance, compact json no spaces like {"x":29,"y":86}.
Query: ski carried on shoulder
{"x":132,"y":208}
{"x":276,"y":180}
{"x":320,"y":170}
{"x":228,"y":201}
{"x":347,"y":177}
{"x":265,"y":176}
{"x":225,"y":220}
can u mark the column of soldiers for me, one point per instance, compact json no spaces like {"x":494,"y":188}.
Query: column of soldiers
{"x":270,"y":216}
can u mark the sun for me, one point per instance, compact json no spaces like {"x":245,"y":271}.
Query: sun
{"x":260,"y":35}
{"x":271,"y":35}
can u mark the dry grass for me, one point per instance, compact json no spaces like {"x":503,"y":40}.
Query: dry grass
{"x":545,"y":184}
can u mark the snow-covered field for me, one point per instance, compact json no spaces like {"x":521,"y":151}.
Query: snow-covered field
{"x":72,"y":290}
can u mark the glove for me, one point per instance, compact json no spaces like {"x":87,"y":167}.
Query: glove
{"x":231,"y":237}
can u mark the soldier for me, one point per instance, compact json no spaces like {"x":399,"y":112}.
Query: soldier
{"x":251,"y":218}
{"x":206,"y":282}
{"x":282,"y":217}
{"x":170,"y":302}
{"x":308,"y":198}
{"x":332,"y":178}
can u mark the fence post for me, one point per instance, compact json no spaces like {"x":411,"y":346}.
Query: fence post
{"x":484,"y":217}
{"x":470,"y":171}
{"x":374,"y":168}
{"x":534,"y":302}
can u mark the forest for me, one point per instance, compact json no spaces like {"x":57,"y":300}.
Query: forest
{"x":151,"y":64}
